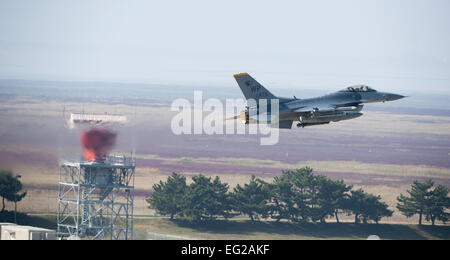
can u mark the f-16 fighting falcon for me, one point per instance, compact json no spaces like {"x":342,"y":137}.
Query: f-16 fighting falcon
{"x":342,"y":105}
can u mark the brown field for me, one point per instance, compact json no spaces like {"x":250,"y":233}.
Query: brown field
{"x":381,"y":152}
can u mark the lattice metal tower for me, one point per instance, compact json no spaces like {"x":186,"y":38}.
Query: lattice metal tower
{"x":95,"y":199}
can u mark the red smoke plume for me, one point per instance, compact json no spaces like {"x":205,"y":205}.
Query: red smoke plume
{"x":97,"y":143}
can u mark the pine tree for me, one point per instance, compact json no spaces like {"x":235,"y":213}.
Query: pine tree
{"x":282,"y":204}
{"x":366,"y":207}
{"x":10,"y":187}
{"x":438,"y":204}
{"x":3,"y":186}
{"x":355,"y":203}
{"x":301,"y":195}
{"x":292,"y":195}
{"x":417,"y":201}
{"x":168,"y":197}
{"x":376,"y":209}
{"x":331,"y":198}
{"x":206,"y":199}
{"x":251,"y":199}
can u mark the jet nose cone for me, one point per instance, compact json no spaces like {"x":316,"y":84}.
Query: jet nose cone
{"x":395,"y":97}
{"x":392,"y":97}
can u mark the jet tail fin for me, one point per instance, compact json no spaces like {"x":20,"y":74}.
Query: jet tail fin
{"x":251,"y":88}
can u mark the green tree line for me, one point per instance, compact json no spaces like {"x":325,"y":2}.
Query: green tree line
{"x":295,"y":195}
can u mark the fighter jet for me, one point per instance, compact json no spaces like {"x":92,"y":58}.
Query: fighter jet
{"x":342,"y":105}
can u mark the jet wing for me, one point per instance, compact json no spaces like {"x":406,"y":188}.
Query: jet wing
{"x":317,"y":108}
{"x":322,"y":108}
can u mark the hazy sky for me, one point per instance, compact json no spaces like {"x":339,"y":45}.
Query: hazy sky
{"x":394,"y":45}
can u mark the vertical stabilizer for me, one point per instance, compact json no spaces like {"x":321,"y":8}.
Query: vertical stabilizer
{"x":251,"y":88}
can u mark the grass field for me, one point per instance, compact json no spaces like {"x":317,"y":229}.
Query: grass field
{"x":29,"y":220}
{"x":165,"y":229}
{"x":245,"y":230}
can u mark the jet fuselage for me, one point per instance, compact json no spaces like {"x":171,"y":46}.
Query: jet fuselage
{"x":342,"y":105}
